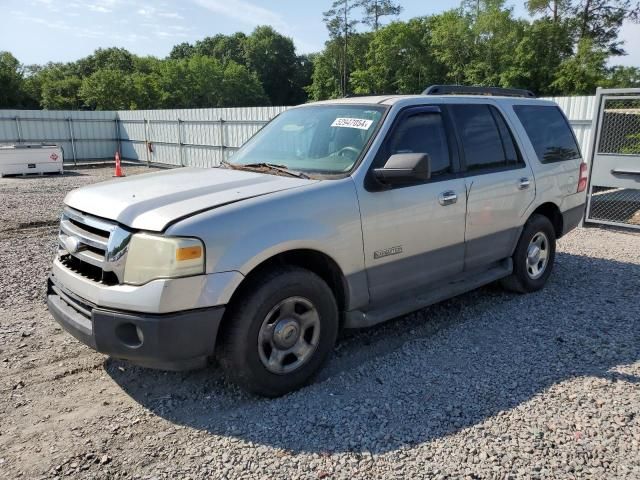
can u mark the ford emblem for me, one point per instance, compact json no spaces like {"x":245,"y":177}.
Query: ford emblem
{"x":72,"y":244}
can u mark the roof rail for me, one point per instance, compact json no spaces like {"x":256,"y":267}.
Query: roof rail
{"x":489,"y":91}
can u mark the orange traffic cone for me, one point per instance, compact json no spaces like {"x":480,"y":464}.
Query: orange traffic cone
{"x":118,"y":172}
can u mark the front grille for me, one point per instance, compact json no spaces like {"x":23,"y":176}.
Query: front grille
{"x":83,"y":242}
{"x":86,"y":270}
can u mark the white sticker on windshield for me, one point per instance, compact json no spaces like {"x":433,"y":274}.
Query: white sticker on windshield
{"x":360,"y":123}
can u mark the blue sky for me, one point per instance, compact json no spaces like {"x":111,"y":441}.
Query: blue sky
{"x":37,"y":31}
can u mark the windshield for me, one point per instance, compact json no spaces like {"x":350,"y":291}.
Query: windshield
{"x":322,"y":139}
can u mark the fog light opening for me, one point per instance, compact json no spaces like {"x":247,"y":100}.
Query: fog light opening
{"x":130,"y":334}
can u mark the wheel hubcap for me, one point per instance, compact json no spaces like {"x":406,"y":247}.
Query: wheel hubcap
{"x":289,"y":335}
{"x":537,"y":255}
{"x":286,"y":333}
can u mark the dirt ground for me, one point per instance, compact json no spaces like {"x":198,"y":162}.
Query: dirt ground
{"x":486,"y":385}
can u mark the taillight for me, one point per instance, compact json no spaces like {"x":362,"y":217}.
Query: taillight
{"x":584,"y":178}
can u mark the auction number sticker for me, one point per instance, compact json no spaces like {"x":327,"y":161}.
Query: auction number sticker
{"x":361,"y":123}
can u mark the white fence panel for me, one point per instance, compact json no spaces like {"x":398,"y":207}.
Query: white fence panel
{"x":199,"y":137}
{"x":82,"y":135}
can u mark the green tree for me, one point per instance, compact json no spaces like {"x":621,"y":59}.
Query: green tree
{"x":545,"y":45}
{"x":32,"y":86}
{"x":556,"y":10}
{"x":622,"y":77}
{"x":496,"y":36}
{"x":341,"y":25}
{"x":191,"y":83}
{"x":601,"y":20}
{"x":374,"y":10}
{"x":182,"y":50}
{"x":224,"y":48}
{"x":106,"y":59}
{"x":327,"y":78}
{"x":241,"y":88}
{"x":108,"y":89}
{"x":302,"y":78}
{"x":399,"y":60}
{"x":582,"y":73}
{"x":273,"y":58}
{"x":453,"y":44}
{"x":146,"y":91}
{"x":11,"y":81}
{"x":61,"y":93}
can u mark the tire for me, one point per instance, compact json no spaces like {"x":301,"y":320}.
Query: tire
{"x":528,"y":276}
{"x":274,"y":309}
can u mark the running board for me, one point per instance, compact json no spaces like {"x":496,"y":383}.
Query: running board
{"x":461,"y":284}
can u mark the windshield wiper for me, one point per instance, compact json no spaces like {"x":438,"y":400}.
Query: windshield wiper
{"x":269,"y":166}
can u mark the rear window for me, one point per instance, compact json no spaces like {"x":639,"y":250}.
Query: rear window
{"x":549,"y":132}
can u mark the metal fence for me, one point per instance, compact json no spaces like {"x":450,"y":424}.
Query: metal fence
{"x":82,"y":135}
{"x":189,"y":137}
{"x":614,"y":190}
{"x":179,"y":137}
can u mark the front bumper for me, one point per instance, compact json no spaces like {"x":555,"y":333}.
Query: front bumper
{"x":157,"y":297}
{"x":173,"y":341}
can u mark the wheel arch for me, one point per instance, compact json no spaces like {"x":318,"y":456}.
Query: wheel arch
{"x":313,"y":260}
{"x":552,"y":212}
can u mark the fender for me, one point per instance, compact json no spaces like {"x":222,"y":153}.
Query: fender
{"x":324,"y":217}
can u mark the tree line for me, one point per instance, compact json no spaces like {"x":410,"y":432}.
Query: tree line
{"x":566,"y":47}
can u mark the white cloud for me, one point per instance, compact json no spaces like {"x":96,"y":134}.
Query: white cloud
{"x":245,"y":12}
{"x":55,"y":24}
{"x":165,"y":34}
{"x":171,"y":15}
{"x":103,"y":6}
{"x":149,"y":12}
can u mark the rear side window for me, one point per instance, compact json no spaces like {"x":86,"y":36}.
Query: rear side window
{"x":423,"y":133}
{"x":549,"y":132}
{"x":487,"y":142}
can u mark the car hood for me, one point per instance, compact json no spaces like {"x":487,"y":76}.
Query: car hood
{"x":152,"y":201}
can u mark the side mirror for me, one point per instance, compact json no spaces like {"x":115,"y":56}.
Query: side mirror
{"x":403,"y":168}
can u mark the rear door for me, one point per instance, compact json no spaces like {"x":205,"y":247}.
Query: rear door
{"x":414,"y":234}
{"x":499,"y":185}
{"x":555,"y":147}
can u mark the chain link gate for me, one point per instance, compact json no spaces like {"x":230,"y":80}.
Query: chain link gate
{"x":614,"y":190}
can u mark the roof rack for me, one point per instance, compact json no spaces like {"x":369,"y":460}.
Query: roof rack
{"x":489,"y":91}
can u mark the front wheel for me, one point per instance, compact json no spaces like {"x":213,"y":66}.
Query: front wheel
{"x":533,"y":257}
{"x":280,"y":332}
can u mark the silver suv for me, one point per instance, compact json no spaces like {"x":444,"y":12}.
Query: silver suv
{"x":338,"y":214}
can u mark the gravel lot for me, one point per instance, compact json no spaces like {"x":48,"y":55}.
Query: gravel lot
{"x":487,"y":385}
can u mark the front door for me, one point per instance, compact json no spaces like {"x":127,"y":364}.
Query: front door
{"x":414,"y":234}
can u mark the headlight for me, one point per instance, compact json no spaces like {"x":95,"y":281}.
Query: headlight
{"x":153,"y":256}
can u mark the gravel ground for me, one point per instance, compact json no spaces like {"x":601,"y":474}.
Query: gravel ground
{"x":486,"y":385}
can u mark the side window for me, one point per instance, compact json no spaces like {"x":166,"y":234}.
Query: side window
{"x":549,"y":132}
{"x":423,"y":133}
{"x":487,"y":142}
{"x":512,"y":155}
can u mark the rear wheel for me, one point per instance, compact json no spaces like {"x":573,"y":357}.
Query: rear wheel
{"x":279,"y":332}
{"x":533,"y":257}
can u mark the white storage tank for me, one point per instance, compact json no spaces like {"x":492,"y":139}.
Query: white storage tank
{"x":28,"y":158}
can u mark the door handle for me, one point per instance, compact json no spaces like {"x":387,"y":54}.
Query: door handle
{"x":524,"y":183}
{"x":447,"y":198}
{"x":617,"y":171}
